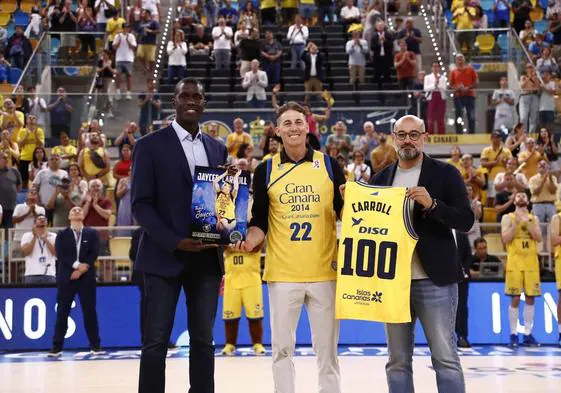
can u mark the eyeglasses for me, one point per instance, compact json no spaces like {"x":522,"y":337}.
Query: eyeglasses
{"x":413,"y":135}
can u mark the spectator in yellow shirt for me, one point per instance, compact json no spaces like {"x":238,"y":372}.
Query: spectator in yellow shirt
{"x":463,"y":17}
{"x":237,"y":138}
{"x":530,"y":158}
{"x":494,"y":158}
{"x":29,"y":138}
{"x":68,"y":153}
{"x":11,"y":119}
{"x":474,"y":177}
{"x":114,"y":26}
{"x":10,"y":148}
{"x":455,"y":158}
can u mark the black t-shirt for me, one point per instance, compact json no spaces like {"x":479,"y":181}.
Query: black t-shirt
{"x":475,"y":263}
{"x":251,"y":49}
{"x":67,"y":24}
{"x":195,"y":39}
{"x":105,"y":73}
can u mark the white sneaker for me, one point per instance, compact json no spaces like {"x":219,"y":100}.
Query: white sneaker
{"x":129,"y":96}
{"x":118,"y":94}
{"x":110,"y":114}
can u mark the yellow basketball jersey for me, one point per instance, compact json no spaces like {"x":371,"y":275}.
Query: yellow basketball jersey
{"x":225,"y":206}
{"x":242,"y":269}
{"x":522,"y":252}
{"x":376,"y":246}
{"x":301,"y":239}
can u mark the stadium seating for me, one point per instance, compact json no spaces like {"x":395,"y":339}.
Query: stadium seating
{"x":486,"y":43}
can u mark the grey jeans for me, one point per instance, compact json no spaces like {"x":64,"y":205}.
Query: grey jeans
{"x":222,"y":59}
{"x":39,"y":279}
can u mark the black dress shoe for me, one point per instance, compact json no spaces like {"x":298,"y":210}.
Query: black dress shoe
{"x":96,"y":350}
{"x":54,"y":353}
{"x":463,"y":343}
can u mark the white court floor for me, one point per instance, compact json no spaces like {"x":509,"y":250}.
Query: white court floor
{"x":487,"y":370}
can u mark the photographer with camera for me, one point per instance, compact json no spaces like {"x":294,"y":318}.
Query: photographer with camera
{"x":49,"y":182}
{"x":38,"y":246}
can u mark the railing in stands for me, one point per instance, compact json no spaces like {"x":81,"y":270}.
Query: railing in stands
{"x":161,"y":53}
{"x":34,"y":57}
{"x":520,"y":54}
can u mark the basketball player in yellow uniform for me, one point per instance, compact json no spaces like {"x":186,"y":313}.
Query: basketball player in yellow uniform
{"x":225,"y":206}
{"x":520,"y":232}
{"x":555,"y":233}
{"x":375,"y":250}
{"x":296,"y":202}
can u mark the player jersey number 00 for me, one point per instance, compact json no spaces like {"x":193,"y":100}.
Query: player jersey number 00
{"x":376,"y":245}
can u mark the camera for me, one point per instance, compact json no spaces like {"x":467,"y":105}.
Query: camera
{"x":65,"y":183}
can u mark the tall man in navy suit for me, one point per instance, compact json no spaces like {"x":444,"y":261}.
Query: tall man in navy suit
{"x":77,"y":249}
{"x":162,"y":184}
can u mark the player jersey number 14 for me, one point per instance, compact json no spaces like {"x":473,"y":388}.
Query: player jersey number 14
{"x":375,"y":249}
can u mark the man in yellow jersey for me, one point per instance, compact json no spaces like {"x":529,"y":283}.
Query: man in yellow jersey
{"x":441,"y":204}
{"x":225,"y":204}
{"x":296,"y":202}
{"x":520,"y":232}
{"x":555,"y":233}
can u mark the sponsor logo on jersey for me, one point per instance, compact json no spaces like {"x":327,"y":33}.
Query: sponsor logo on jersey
{"x":356,"y":221}
{"x":364,"y":297}
{"x":373,"y":230}
{"x":298,"y":193}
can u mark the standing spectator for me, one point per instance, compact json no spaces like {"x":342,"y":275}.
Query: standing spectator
{"x":358,"y":51}
{"x":359,"y":168}
{"x":349,"y":15}
{"x":87,"y":24}
{"x":307,"y":9}
{"x":405,"y":65}
{"x":502,"y":13}
{"x":237,"y":138}
{"x":249,"y":16}
{"x":77,"y":249}
{"x":38,"y":163}
{"x":38,"y":246}
{"x":536,"y":47}
{"x":48,"y":183}
{"x":383,"y":155}
{"x":367,"y":143}
{"x":463,"y":80}
{"x":521,"y":10}
{"x":11,"y":119}
{"x":135,"y":14}
{"x":530,"y":158}
{"x":229,"y":14}
{"x":124,"y":211}
{"x":464,"y":17}
{"x":435,"y":85}
{"x":289,"y":11}
{"x":127,"y":136}
{"x":477,"y":208}
{"x":543,"y":187}
{"x":213,"y":131}
{"x":125,"y":47}
{"x":297,"y":37}
{"x":114,"y":26}
{"x":103,"y":10}
{"x":67,"y":153}
{"x":325,"y":9}
{"x":148,"y":34}
{"x":61,"y":113}
{"x":177,"y":62}
{"x":274,"y":147}
{"x":153,"y":6}
{"x":504,"y":102}
{"x":210,"y":10}
{"x":105,"y":75}
{"x":529,"y":98}
{"x":94,"y":161}
{"x":77,"y":189}
{"x":29,"y":138}
{"x":200,"y":43}
{"x":188,"y":18}
{"x":520,"y":181}
{"x":465,"y":258}
{"x":528,"y":34}
{"x":382,"y":47}
{"x":516,"y":140}
{"x":271,"y":52}
{"x":546,"y":143}
{"x":474,"y":177}
{"x":250,"y":49}
{"x":222,"y":36}
{"x":340,"y":139}
{"x":19,"y":50}
{"x":547,"y":99}
{"x":494,"y":158}
{"x":150,"y":105}
{"x":255,"y":82}
{"x":413,"y":39}
{"x":24,"y":215}
{"x":313,"y":71}
{"x":20,"y":101}
{"x":37,"y":107}
{"x":268,"y":12}
{"x":34,"y":28}
{"x":10,"y":185}
{"x":122,"y":168}
{"x":241,"y":33}
{"x":455,"y":158}
{"x":64,"y":20}
{"x":546,"y":62}
{"x":10,"y":148}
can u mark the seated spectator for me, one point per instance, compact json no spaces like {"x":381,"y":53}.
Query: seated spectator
{"x":177,"y":62}
{"x":188,"y":17}
{"x":297,"y":37}
{"x":38,"y":247}
{"x":237,"y":138}
{"x":122,"y":168}
{"x":504,"y":200}
{"x":9,"y":148}
{"x":271,"y":52}
{"x":528,"y":34}
{"x":77,"y":188}
{"x":405,"y":66}
{"x":11,"y":119}
{"x":255,"y":82}
{"x":474,"y":177}
{"x":358,"y":52}
{"x":147,"y":37}
{"x":341,"y":139}
{"x":150,"y":105}
{"x":229,"y":13}
{"x":349,"y":15}
{"x":3,"y":39}
{"x":332,"y":152}
{"x":530,"y":158}
{"x":241,"y":33}
{"x":4,"y":68}
{"x":313,"y":71}
{"x":413,"y":39}
{"x":502,"y":13}
{"x":61,"y":113}
{"x":494,"y":158}
{"x":212,"y":130}
{"x":125,"y":47}
{"x":222,"y":36}
{"x":21,"y":103}
{"x":250,"y":49}
{"x":48,"y":183}
{"x":359,"y":168}
{"x":10,"y":184}
{"x":456,"y":158}
{"x":249,"y":16}
{"x":537,"y":45}
{"x":94,"y":161}
{"x":480,"y":255}
{"x":546,"y":62}
{"x":383,"y":155}
{"x":547,"y":144}
{"x":477,"y":208}
{"x":24,"y":215}
{"x":547,"y":100}
{"x":504,"y":101}
{"x":18,"y":50}
{"x":200,"y":43}
{"x":516,"y":141}
{"x":434,"y":86}
{"x":127,"y":136}
{"x":29,"y":138}
{"x":543,"y":187}
{"x":38,"y":163}
{"x":367,"y":142}
{"x":520,"y":180}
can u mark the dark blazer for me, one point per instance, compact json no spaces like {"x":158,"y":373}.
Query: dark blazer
{"x":436,"y":247}
{"x":161,"y":203}
{"x":376,"y":45}
{"x":65,"y":246}
{"x":308,"y":62}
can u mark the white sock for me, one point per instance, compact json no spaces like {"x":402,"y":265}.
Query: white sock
{"x":528,"y":318}
{"x":513,"y":318}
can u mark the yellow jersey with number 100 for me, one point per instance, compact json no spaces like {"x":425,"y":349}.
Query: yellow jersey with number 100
{"x":522,"y":251}
{"x":376,"y":248}
{"x":302,"y":238}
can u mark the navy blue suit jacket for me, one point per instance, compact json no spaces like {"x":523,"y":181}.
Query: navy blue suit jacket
{"x":436,"y":247}
{"x":65,"y":246}
{"x":162,"y":189}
